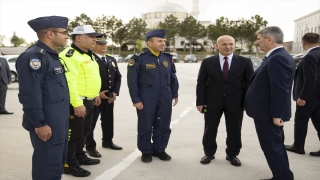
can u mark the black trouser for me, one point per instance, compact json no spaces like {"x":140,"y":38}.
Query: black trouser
{"x":233,"y":126}
{"x":3,"y":94}
{"x":107,"y":126}
{"x":80,"y":127}
{"x":310,"y":110}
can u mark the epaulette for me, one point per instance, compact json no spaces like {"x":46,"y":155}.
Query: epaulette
{"x":167,"y":53}
{"x":41,"y":51}
{"x":70,"y":53}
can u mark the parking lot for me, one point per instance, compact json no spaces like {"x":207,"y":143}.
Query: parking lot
{"x":185,"y":145}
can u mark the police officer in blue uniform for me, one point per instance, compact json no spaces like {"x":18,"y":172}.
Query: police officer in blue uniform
{"x":153,"y":87}
{"x":43,"y":93}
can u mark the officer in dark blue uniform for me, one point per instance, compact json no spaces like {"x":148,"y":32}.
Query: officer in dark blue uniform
{"x":43,"y":93}
{"x":153,"y":87}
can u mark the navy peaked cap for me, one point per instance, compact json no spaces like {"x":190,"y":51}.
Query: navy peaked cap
{"x":156,"y":33}
{"x":48,"y":22}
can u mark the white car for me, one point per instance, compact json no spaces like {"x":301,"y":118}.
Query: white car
{"x":117,"y":57}
{"x":12,"y":65}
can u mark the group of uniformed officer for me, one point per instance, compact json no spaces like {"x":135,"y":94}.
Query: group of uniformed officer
{"x":60,"y":92}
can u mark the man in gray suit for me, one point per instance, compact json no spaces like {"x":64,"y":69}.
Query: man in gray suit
{"x":5,"y":79}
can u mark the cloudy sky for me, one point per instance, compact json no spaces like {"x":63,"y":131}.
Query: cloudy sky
{"x":14,"y":14}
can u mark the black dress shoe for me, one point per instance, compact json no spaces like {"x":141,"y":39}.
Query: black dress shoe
{"x":89,"y":161}
{"x":206,"y":159}
{"x":294,"y":149}
{"x":317,"y":153}
{"x":111,"y":146}
{"x":76,"y":171}
{"x":162,"y":155}
{"x":233,"y":160}
{"x":93,"y":153}
{"x":146,"y":158}
{"x":5,"y":112}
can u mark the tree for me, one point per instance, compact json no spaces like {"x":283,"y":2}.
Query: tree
{"x":171,"y":25}
{"x":192,"y":30}
{"x":83,"y":19}
{"x":16,"y":41}
{"x":136,"y":30}
{"x":120,"y":36}
{"x":2,"y":39}
{"x":114,"y":25}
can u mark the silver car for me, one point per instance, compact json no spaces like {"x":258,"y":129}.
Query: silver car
{"x":191,"y":58}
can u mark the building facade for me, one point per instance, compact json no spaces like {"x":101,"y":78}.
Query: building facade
{"x":303,"y":25}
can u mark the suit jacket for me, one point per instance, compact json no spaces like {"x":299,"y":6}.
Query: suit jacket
{"x":212,"y":86}
{"x":110,"y":74}
{"x":307,"y":78}
{"x":269,"y":94}
{"x":5,"y":73}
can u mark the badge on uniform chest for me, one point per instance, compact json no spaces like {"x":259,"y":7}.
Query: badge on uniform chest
{"x":150,"y":66}
{"x":58,"y":70}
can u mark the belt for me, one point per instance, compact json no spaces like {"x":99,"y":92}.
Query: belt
{"x":85,"y":98}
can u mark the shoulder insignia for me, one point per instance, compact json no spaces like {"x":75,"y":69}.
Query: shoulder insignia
{"x":41,"y":51}
{"x":70,"y":53}
{"x":131,"y":62}
{"x":35,"y":64}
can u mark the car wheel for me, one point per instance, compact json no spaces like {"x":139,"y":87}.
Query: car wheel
{"x":14,"y":76}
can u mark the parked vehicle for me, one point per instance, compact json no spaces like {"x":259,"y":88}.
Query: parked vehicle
{"x":298,"y":57}
{"x":117,"y":57}
{"x":128,"y":57}
{"x":256,"y":61}
{"x":191,"y":58}
{"x":175,"y":57}
{"x":12,"y":65}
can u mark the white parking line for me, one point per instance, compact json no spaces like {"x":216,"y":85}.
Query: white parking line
{"x":126,"y":162}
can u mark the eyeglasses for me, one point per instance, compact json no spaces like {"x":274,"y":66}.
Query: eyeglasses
{"x":63,"y":32}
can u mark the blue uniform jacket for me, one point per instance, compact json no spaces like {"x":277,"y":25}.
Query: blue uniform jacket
{"x":152,"y":77}
{"x":43,"y":91}
{"x":269,"y":94}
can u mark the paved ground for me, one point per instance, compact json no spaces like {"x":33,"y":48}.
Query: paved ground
{"x":185,"y":145}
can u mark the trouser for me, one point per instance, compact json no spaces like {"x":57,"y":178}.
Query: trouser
{"x":107,"y":125}
{"x":47,"y":159}
{"x":271,"y":138}
{"x":310,"y":110}
{"x":3,"y":94}
{"x":80,"y":127}
{"x":233,"y":122}
{"x":154,"y":120}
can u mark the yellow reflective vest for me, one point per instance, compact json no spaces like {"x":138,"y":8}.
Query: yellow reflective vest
{"x":82,"y":73}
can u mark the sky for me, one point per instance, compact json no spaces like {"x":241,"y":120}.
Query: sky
{"x":14,"y":14}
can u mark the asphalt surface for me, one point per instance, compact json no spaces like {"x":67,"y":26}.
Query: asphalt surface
{"x":185,"y":145}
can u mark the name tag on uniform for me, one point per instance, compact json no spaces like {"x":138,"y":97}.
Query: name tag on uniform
{"x":151,"y":66}
{"x":58,"y":70}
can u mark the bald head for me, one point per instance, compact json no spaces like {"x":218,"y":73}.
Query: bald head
{"x":225,"y":45}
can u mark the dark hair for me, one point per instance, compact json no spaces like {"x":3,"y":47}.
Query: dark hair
{"x":311,"y":38}
{"x":149,"y":39}
{"x":272,"y":31}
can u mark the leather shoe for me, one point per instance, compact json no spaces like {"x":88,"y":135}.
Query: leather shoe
{"x":317,"y":153}
{"x":162,"y":155}
{"x":267,"y":179}
{"x":111,"y":146}
{"x":146,"y":158}
{"x":206,"y":159}
{"x":5,"y":112}
{"x":233,"y":160}
{"x":93,"y":153}
{"x":294,"y":149}
{"x":89,"y":161}
{"x":76,"y":171}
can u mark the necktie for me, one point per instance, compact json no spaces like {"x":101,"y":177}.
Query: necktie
{"x":104,"y":60}
{"x":225,"y":68}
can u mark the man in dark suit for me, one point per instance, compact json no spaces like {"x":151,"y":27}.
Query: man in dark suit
{"x":5,"y":79}
{"x":268,"y":99}
{"x":110,"y":87}
{"x":222,"y":84}
{"x":306,"y":91}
